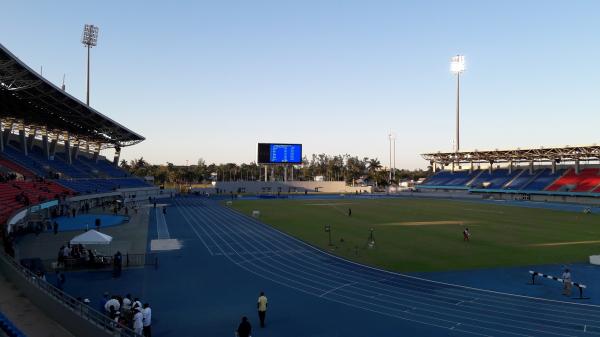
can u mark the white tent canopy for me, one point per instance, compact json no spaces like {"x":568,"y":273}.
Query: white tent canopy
{"x":92,"y":237}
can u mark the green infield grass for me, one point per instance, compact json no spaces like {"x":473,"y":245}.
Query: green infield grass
{"x":426,"y":235}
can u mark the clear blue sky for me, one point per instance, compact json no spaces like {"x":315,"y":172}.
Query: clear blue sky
{"x":211,"y":79}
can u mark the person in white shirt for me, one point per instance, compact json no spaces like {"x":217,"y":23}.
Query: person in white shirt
{"x":127,"y":304}
{"x":113,"y":302}
{"x":138,"y":322}
{"x":566,"y":276}
{"x":147,"y":312}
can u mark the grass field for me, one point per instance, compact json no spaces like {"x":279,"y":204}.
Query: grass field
{"x":426,"y":235}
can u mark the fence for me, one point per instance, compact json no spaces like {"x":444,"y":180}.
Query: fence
{"x":104,"y":262}
{"x":77,"y":317}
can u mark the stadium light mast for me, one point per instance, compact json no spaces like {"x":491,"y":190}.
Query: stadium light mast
{"x":392,"y":137}
{"x":89,"y":40}
{"x":457,"y":67}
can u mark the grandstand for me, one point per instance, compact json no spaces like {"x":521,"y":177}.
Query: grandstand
{"x":50,"y":142}
{"x":564,"y":172}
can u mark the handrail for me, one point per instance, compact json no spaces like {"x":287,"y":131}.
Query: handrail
{"x":81,"y":309}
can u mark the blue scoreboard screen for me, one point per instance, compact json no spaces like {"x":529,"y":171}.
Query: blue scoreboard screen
{"x":271,"y":153}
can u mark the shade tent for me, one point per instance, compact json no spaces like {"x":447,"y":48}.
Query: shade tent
{"x":92,"y":237}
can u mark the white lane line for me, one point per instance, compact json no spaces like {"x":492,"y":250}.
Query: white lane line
{"x":404,"y":282}
{"x":180,"y":209}
{"x":270,"y":270}
{"x":385,"y":306}
{"x":337,"y":288}
{"x":416,"y":277}
{"x":524,"y":328}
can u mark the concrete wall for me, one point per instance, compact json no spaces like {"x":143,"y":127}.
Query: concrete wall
{"x":288,"y":186}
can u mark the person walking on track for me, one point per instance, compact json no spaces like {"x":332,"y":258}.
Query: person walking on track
{"x":567,"y":283}
{"x":262,"y":308}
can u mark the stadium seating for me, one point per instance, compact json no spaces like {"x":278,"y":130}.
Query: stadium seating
{"x":519,"y":179}
{"x":34,"y":191}
{"x":496,"y":179}
{"x":11,"y":166}
{"x":542,"y":179}
{"x":86,"y":186}
{"x":104,"y":167}
{"x":585,"y":181}
{"x":451,"y":179}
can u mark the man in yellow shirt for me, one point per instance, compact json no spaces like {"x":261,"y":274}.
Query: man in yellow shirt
{"x":262,"y":308}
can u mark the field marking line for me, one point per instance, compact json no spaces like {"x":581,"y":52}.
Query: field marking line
{"x":564,"y":243}
{"x":194,"y":229}
{"x":241,"y":220}
{"x":416,"y":277}
{"x":265,"y":228}
{"x":331,"y":204}
{"x":349,"y":298}
{"x":426,"y":223}
{"x":337,"y":288}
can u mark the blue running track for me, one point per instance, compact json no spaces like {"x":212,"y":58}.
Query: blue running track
{"x":228,"y":258}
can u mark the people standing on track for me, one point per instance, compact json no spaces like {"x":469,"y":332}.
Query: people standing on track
{"x":147,"y":312}
{"x":262,"y":308}
{"x":138,"y":322}
{"x":566,"y":276}
{"x":244,"y":329}
{"x":466,"y":235}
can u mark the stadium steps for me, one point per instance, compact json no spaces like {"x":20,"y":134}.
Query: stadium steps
{"x":468,"y":184}
{"x":534,"y":178}
{"x":507,"y":185}
{"x":561,"y":181}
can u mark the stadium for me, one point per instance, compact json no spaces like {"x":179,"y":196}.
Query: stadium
{"x":483,"y":245}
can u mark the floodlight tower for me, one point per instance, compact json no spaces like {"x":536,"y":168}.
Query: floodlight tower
{"x":392,"y":137}
{"x":89,"y":40}
{"x":457,"y":67}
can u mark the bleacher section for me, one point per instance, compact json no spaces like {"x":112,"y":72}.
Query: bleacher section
{"x":28,"y":193}
{"x":518,"y":180}
{"x":497,"y":179}
{"x":543,"y":179}
{"x":451,"y":179}
{"x":87,"y":186}
{"x":82,"y":167}
{"x":587,"y":180}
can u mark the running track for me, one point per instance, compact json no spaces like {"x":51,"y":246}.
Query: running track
{"x":266,"y":252}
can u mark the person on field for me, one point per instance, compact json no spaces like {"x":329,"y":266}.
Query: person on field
{"x":566,"y":276}
{"x":349,"y":211}
{"x":244,"y":329}
{"x":262,"y":308}
{"x":466,"y":235}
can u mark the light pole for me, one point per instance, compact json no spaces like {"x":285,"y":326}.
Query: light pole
{"x":457,"y":67}
{"x":89,"y":40}
{"x":390,"y":137}
{"x":393,"y":162}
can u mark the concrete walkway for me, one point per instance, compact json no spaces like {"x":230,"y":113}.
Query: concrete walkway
{"x":25,"y":315}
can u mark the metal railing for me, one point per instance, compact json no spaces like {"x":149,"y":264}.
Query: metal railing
{"x":101,"y":321}
{"x":129,"y":260}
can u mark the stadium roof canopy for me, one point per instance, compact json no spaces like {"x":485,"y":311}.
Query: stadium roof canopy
{"x":27,"y":96}
{"x":555,"y":154}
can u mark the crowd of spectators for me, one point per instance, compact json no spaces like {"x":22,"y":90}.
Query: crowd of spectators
{"x":129,"y":312}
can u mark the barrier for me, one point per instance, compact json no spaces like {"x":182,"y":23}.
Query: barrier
{"x":77,"y":317}
{"x":578,"y":285}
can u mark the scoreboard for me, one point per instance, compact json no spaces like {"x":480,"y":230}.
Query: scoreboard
{"x":274,"y":153}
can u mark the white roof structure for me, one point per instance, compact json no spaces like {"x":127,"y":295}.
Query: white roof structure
{"x":92,"y":237}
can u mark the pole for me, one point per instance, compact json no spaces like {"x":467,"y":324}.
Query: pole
{"x":394,"y":175}
{"x":87,"y":100}
{"x":458,"y":112}
{"x":390,"y":136}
